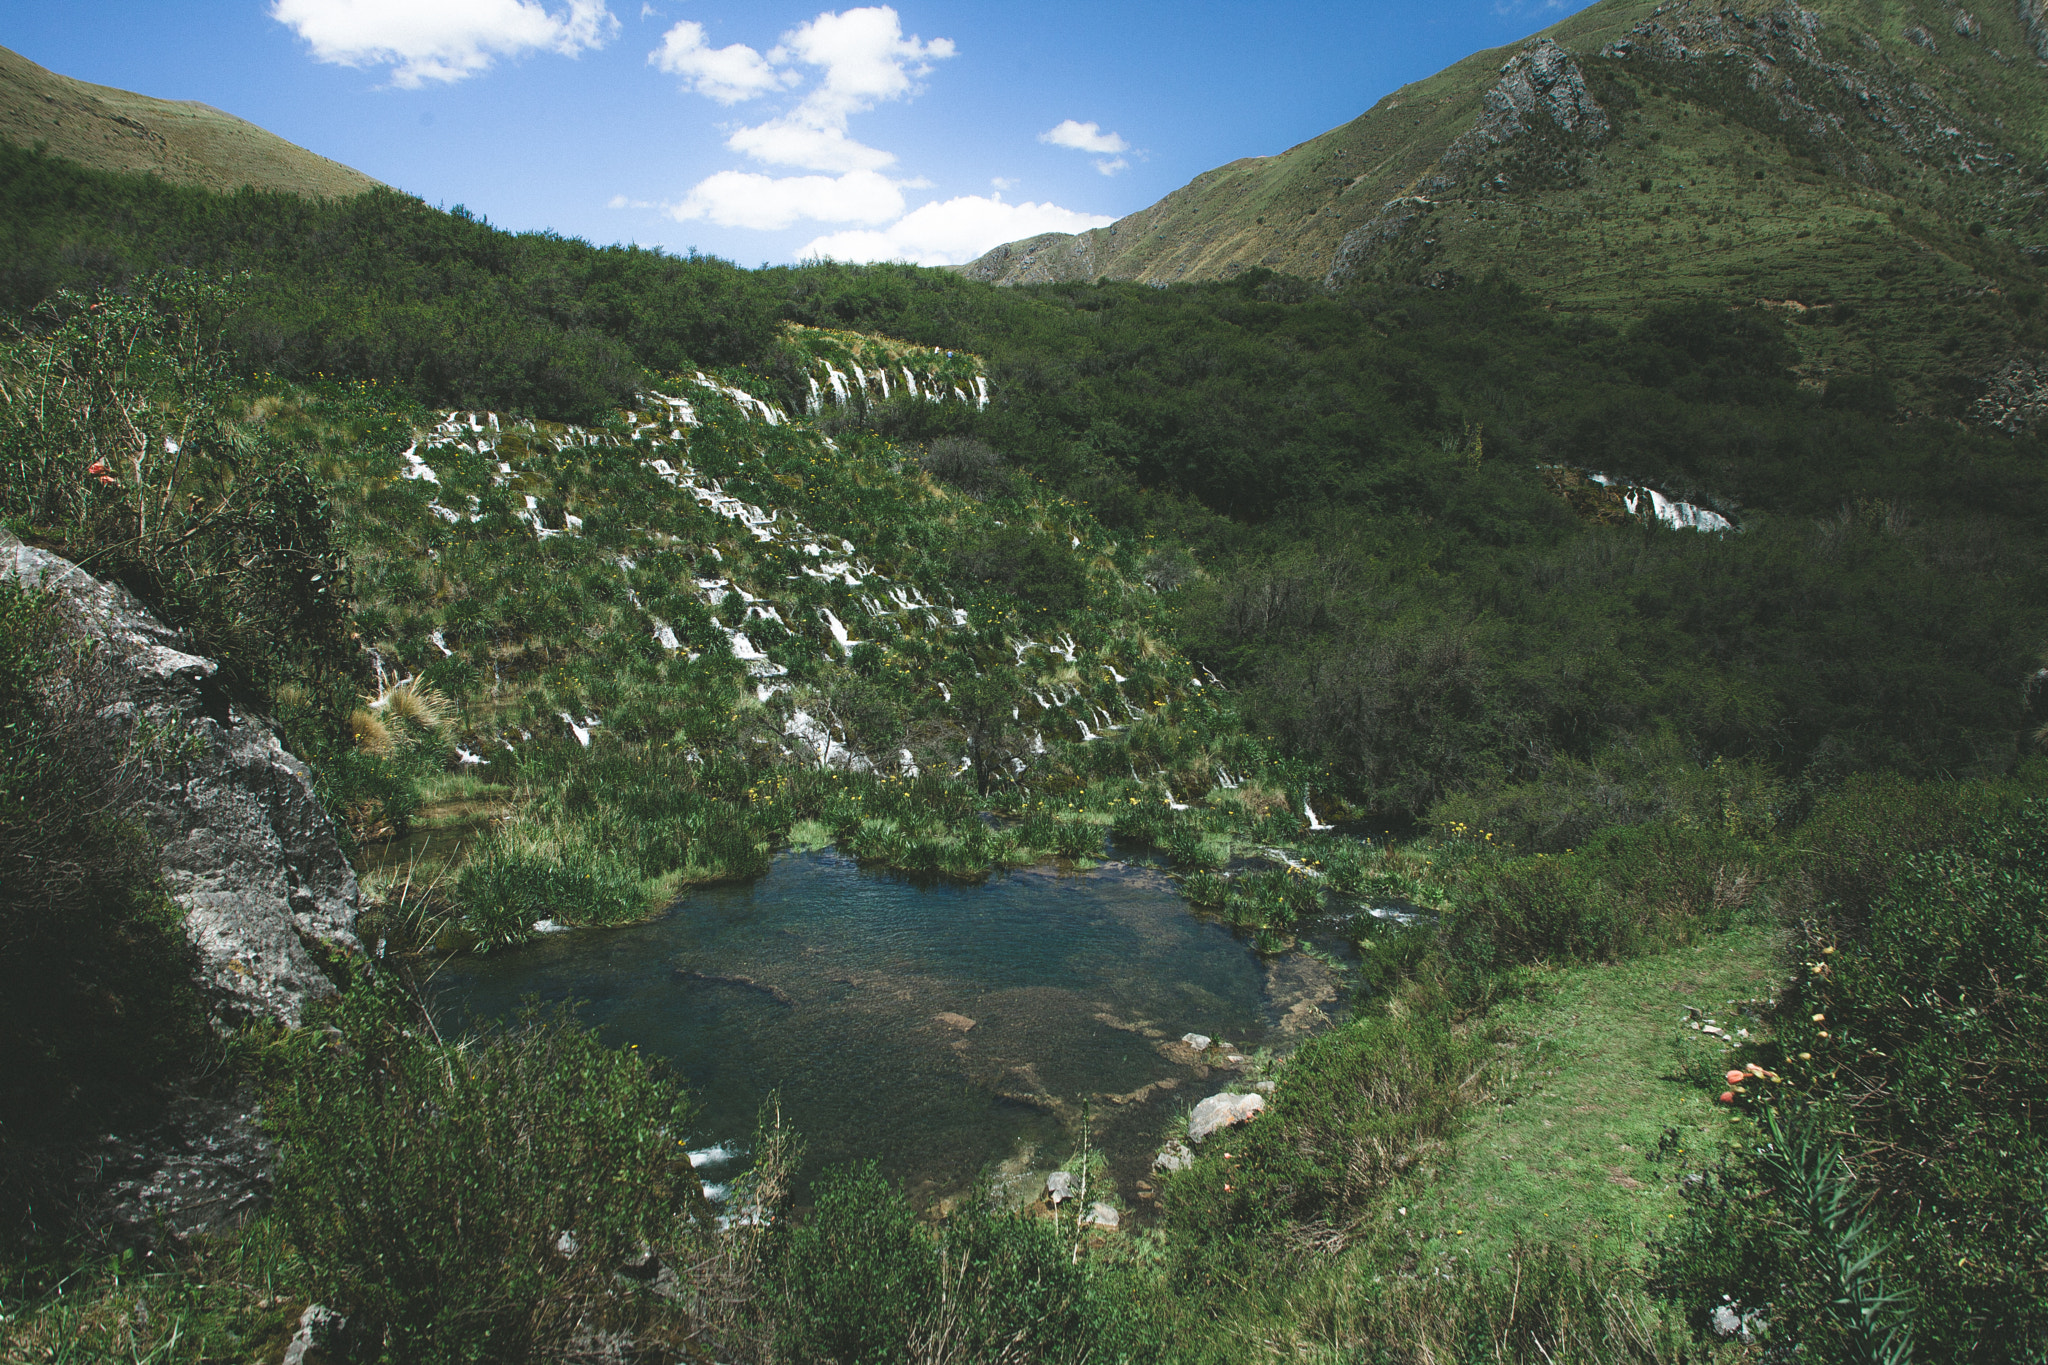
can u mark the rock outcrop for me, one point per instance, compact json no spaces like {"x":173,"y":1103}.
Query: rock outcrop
{"x":244,"y":845}
{"x":2034,"y":14}
{"x":1543,"y":82}
{"x":2016,"y":398}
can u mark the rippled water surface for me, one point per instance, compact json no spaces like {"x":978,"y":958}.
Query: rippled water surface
{"x":828,"y":983}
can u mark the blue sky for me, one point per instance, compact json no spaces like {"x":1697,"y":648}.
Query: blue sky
{"x":768,"y":130}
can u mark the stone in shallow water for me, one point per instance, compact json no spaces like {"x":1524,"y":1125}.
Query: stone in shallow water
{"x":1222,"y":1111}
{"x":1198,"y":1041}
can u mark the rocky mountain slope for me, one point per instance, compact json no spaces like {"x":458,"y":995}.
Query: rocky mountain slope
{"x":1878,"y":172}
{"x":243,"y":845}
{"x":182,"y":141}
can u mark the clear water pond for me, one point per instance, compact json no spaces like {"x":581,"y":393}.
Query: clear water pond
{"x":945,"y":1031}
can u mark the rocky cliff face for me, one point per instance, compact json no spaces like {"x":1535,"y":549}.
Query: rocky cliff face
{"x":244,"y":845}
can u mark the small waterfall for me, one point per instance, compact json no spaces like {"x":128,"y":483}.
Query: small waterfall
{"x":838,"y":630}
{"x":1313,"y":823}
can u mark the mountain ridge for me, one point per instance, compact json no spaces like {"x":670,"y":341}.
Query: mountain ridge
{"x":1847,"y":155}
{"x":182,"y":141}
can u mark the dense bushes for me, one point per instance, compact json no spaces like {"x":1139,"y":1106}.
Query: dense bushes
{"x":1914,"y":1039}
{"x":476,"y":1202}
{"x":867,"y":1283}
{"x":1631,"y":890}
{"x":380,"y":286}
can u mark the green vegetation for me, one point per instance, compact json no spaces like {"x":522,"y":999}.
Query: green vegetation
{"x":583,"y":575}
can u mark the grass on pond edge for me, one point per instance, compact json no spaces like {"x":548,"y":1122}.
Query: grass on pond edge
{"x":1591,"y":1067}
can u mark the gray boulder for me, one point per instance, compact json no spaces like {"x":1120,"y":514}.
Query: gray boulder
{"x":244,"y":846}
{"x":1223,"y":1111}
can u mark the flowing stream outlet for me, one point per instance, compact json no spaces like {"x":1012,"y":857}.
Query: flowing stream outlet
{"x":1682,"y":516}
{"x":520,"y":452}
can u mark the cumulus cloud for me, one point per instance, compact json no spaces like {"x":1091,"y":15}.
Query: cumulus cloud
{"x":748,"y":200}
{"x":861,"y":58}
{"x":726,"y":74}
{"x":951,"y":232}
{"x":791,"y":142}
{"x":865,"y":59}
{"x":1084,"y":137}
{"x":442,"y":40}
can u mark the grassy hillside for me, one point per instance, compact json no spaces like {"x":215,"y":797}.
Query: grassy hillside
{"x":1661,"y":153}
{"x":182,"y":141}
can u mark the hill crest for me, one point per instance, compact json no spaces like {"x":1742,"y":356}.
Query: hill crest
{"x":182,"y":141}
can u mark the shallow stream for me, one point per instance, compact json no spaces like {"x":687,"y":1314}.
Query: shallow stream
{"x":945,"y":1031}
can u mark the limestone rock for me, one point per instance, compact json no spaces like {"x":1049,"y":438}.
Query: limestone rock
{"x":1223,"y":1111}
{"x":2016,"y":398}
{"x":1102,"y":1216}
{"x":203,"y":1166}
{"x":245,"y":847}
{"x":1059,"y":1187}
{"x":1174,"y":1156}
{"x":1198,"y":1041}
{"x":951,"y":1020}
{"x":322,"y":1338}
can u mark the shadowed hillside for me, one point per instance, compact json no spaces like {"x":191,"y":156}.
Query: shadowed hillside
{"x":182,"y":141}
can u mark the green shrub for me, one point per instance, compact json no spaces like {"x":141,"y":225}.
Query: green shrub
{"x":1630,"y":890}
{"x":430,"y":1186}
{"x":1916,"y":1035}
{"x":1353,"y":1110}
{"x":513,"y":880}
{"x":1077,"y":839}
{"x":866,"y":1282}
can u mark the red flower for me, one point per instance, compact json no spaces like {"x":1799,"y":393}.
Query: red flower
{"x":96,"y":467}
{"x":110,"y":481}
{"x":1727,"y":1097}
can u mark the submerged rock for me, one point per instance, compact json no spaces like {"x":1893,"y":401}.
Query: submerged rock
{"x":243,"y":844}
{"x":1223,"y":1111}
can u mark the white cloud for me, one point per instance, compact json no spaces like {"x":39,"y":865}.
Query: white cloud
{"x":726,"y":74}
{"x":865,"y":57}
{"x":747,"y":200}
{"x":1111,"y":166}
{"x":862,"y":58}
{"x":1002,"y":182}
{"x":442,"y":40}
{"x":790,"y":142}
{"x":1085,"y":137}
{"x":620,"y":201}
{"x":952,"y":232}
